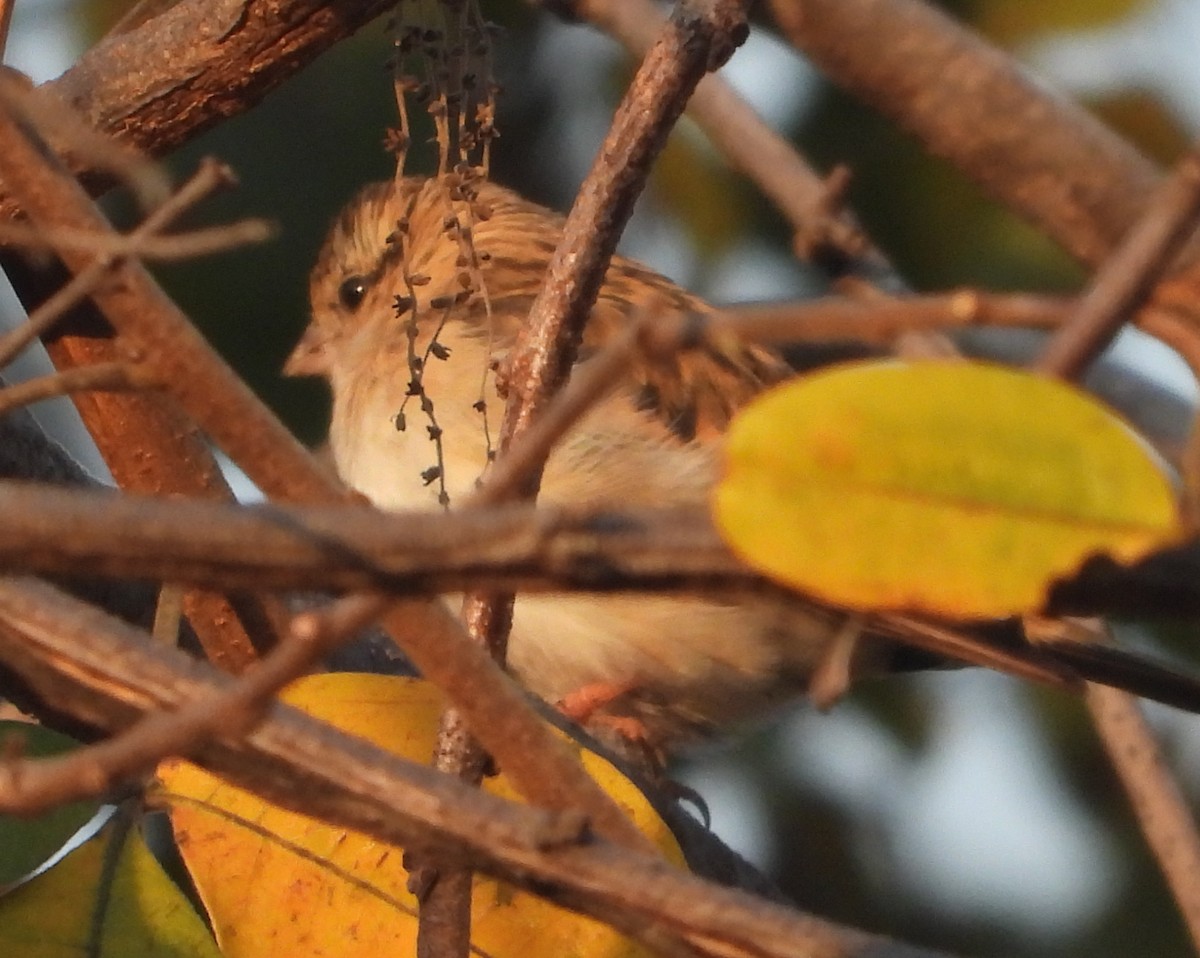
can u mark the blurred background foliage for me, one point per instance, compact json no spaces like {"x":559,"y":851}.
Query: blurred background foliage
{"x":959,"y":810}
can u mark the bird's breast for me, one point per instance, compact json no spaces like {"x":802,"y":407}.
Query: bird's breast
{"x":404,"y":447}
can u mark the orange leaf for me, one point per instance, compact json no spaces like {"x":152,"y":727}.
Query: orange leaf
{"x":275,"y":882}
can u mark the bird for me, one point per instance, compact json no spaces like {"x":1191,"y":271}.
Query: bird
{"x":417,"y":297}
{"x":413,"y":312}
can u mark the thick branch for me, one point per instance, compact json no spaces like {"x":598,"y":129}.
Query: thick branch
{"x":90,"y":533}
{"x":109,"y":674}
{"x":1040,"y":154}
{"x":197,"y":63}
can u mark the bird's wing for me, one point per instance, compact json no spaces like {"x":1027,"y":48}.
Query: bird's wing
{"x":696,"y":391}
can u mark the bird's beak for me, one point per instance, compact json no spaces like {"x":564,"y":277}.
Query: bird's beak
{"x":309,"y":358}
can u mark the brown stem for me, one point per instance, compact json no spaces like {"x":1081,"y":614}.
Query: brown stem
{"x":1042,"y":155}
{"x":92,"y":771}
{"x":102,"y":534}
{"x":829,"y":237}
{"x":345,"y":548}
{"x":145,"y":440}
{"x":196,"y":64}
{"x":1119,"y":287}
{"x":444,"y":930}
{"x":1161,"y":809}
{"x":690,"y":45}
{"x":106,"y":377}
{"x":546,"y":348}
{"x":528,"y":452}
{"x":874,"y":322}
{"x":1126,"y":279}
{"x":150,"y":326}
{"x":109,"y":674}
{"x":42,"y":319}
{"x":189,"y":245}
{"x":655,"y":99}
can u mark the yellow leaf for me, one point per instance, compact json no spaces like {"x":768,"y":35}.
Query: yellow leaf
{"x":141,"y":911}
{"x":275,"y":882}
{"x":1017,"y":22}
{"x":948,"y":487}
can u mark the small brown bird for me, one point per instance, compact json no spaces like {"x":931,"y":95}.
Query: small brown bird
{"x":416,"y":296}
{"x":418,"y":292}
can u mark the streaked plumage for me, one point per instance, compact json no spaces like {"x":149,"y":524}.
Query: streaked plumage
{"x":692,"y":663}
{"x":467,"y":262}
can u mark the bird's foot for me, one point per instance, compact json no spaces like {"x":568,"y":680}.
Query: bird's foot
{"x":583,"y":704}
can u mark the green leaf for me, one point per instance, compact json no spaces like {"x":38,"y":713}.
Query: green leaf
{"x":27,"y":843}
{"x":109,"y":898}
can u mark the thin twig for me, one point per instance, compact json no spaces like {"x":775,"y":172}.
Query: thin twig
{"x":65,"y":127}
{"x":215,"y":397}
{"x":829,"y":237}
{"x":107,"y":376}
{"x":189,"y":245}
{"x":877,"y":322}
{"x":588,"y":383}
{"x":1120,"y":287}
{"x":1127,"y":277}
{"x":34,"y":785}
{"x":168,"y":614}
{"x":209,"y":176}
{"x":495,"y":707}
{"x":1162,"y":811}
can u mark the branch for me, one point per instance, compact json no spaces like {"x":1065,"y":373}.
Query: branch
{"x":356,"y":548}
{"x":146,"y":442}
{"x":102,"y":534}
{"x":828,"y":236}
{"x":152,"y":330}
{"x":105,"y":377}
{"x":692,"y":43}
{"x":1162,"y":811}
{"x":196,"y":64}
{"x":547,"y":347}
{"x":109,"y":674}
{"x":1042,"y":155}
{"x":1124,"y":282}
{"x":1119,"y":288}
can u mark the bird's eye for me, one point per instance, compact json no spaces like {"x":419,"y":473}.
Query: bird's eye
{"x":352,"y":291}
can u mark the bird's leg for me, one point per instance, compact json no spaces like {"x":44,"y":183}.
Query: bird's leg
{"x":584,"y":702}
{"x":834,"y":670}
